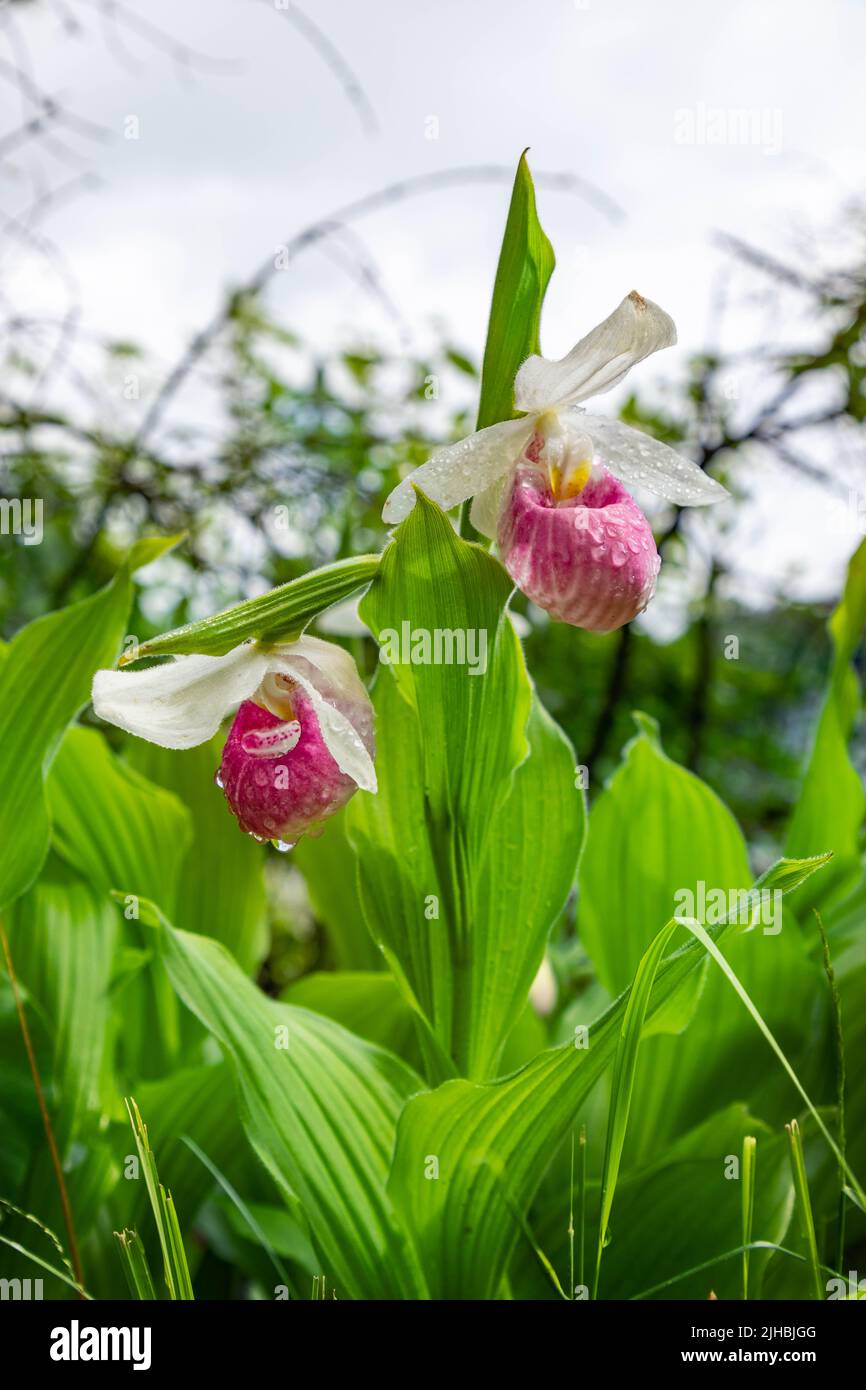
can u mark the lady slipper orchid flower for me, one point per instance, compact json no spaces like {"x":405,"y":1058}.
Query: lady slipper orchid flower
{"x":302,"y":740}
{"x":549,"y":486}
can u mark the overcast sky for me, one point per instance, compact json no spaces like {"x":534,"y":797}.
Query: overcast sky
{"x":629,"y":95}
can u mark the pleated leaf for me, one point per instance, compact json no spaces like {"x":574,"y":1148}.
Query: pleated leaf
{"x":320,"y":1108}
{"x":492,"y":1142}
{"x":461,"y":873}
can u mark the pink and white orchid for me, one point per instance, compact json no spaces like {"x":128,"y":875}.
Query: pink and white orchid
{"x":301,"y":743}
{"x":549,"y":486}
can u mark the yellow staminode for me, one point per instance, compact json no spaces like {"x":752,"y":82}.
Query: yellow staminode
{"x":569,"y":481}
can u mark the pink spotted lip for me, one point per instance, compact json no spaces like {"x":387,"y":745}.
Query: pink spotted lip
{"x":277,"y":774}
{"x":590,"y":560}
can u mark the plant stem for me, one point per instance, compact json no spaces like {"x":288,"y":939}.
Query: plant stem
{"x":74,"y":1255}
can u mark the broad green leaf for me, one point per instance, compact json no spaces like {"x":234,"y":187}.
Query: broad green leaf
{"x":44,"y":681}
{"x":655,"y":831}
{"x":62,"y":934}
{"x":461,"y":874}
{"x":278,"y":616}
{"x":493,"y":1141}
{"x":525,"y":266}
{"x":327,"y":863}
{"x":320,"y":1108}
{"x":830,"y":810}
{"x":221,"y":888}
{"x":113,"y":825}
{"x":368,"y":1003}
{"x":126,"y":834}
{"x":687,"y":858}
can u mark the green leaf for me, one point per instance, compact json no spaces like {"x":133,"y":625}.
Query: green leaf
{"x":320,"y":1108}
{"x":125,"y":834}
{"x":665,"y":830}
{"x":687,"y":859}
{"x":460,"y":876}
{"x":113,"y":825}
{"x":278,"y":616}
{"x":328,"y":866}
{"x":830,"y":810}
{"x":44,"y":681}
{"x":62,"y":934}
{"x":493,"y":1141}
{"x":525,"y":266}
{"x":151,"y":548}
{"x":368,"y":1003}
{"x":220,"y":878}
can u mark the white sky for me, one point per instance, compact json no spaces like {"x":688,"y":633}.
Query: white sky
{"x":228,"y":166}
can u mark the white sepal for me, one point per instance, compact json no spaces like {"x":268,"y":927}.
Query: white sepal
{"x":182,"y":702}
{"x":461,"y":470}
{"x":638,"y":460}
{"x":636,"y":328}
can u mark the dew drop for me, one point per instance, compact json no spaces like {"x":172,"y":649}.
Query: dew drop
{"x":218,"y":778}
{"x":283,"y":846}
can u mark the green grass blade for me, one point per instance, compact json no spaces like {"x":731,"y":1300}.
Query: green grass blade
{"x":723,"y":965}
{"x":747,"y":1178}
{"x":175,"y":1267}
{"x":44,"y":1264}
{"x":841,"y":1078}
{"x":134,"y":1260}
{"x":804,"y":1206}
{"x":238,"y":1201}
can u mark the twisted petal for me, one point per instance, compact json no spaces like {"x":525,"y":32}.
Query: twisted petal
{"x":183,"y":702}
{"x":330,"y":678}
{"x":600,"y":360}
{"x":641,"y":461}
{"x":461,"y":470}
{"x":486,"y":508}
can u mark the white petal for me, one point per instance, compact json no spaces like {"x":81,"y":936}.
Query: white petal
{"x":327,"y":672}
{"x":641,"y":461}
{"x":183,"y":702}
{"x":461,"y":470}
{"x":486,"y":508}
{"x":343,"y":620}
{"x":634,"y":330}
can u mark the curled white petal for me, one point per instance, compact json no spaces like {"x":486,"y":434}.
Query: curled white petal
{"x":636,"y":328}
{"x":486,"y":507}
{"x":641,"y":461}
{"x":330,"y":678}
{"x":183,"y":702}
{"x":461,"y":470}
